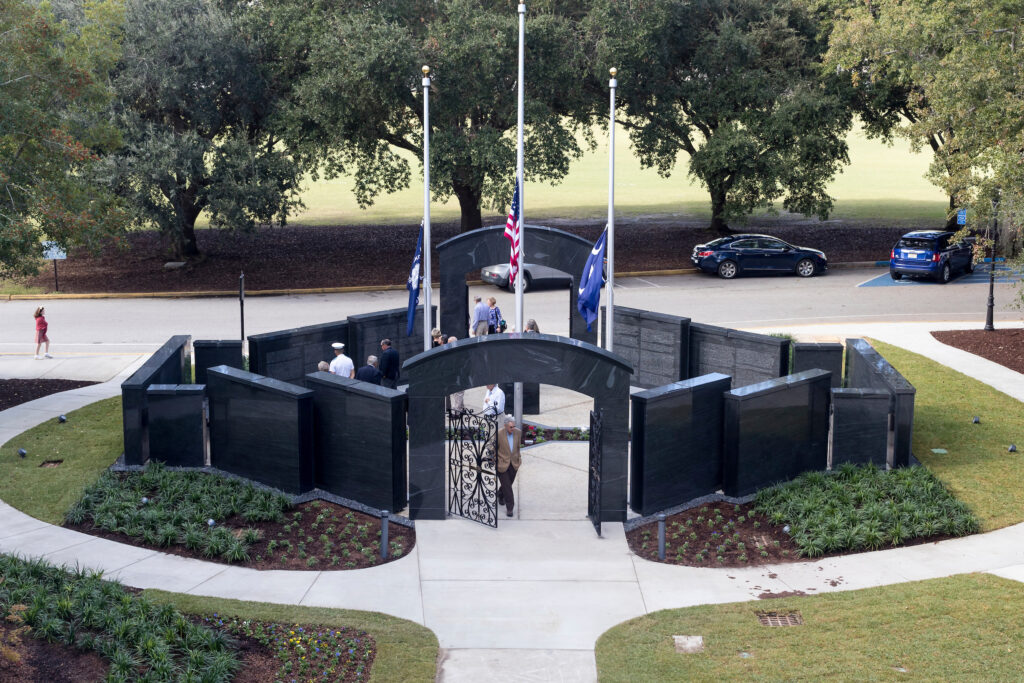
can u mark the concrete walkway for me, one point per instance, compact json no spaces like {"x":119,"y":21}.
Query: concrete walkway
{"x":528,"y":601}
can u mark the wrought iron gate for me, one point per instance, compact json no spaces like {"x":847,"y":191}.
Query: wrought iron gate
{"x":594,"y":479}
{"x":472,"y":471}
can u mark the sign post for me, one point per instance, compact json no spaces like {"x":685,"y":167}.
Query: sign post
{"x":54,"y":253}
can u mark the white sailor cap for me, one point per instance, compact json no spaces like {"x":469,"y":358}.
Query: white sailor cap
{"x":337,"y":345}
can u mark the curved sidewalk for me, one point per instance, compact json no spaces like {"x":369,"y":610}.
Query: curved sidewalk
{"x":533,"y":598}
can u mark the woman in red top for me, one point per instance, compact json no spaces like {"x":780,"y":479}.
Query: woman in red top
{"x":41,"y":337}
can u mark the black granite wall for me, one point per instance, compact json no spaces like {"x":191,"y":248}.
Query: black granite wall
{"x":826,"y":356}
{"x":360,"y":441}
{"x":747,"y":357}
{"x":366,"y":330}
{"x":867,"y":369}
{"x":860,"y":426}
{"x":261,"y":428}
{"x":494,"y":359}
{"x":531,"y":398}
{"x":657,"y":345}
{"x":208,"y":353}
{"x":168,"y":365}
{"x":289,"y":355}
{"x":476,"y":249}
{"x":775,"y":430}
{"x":177,"y":424}
{"x":676,"y":443}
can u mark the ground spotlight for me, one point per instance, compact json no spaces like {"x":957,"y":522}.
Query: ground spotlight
{"x":62,"y":419}
{"x":976,"y":420}
{"x":22,"y":452}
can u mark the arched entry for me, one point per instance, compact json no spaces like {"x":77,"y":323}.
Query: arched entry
{"x":498,"y":358}
{"x":484,"y":247}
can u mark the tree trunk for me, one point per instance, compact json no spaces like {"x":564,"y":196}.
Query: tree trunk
{"x":718,"y":209}
{"x":186,"y":241}
{"x":186,"y":212}
{"x":469,"y":204}
{"x":951,"y":219}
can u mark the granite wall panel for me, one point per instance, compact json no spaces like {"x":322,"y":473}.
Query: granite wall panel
{"x":359,"y":436}
{"x":177,"y":424}
{"x":676,"y":452}
{"x":747,"y":357}
{"x":366,"y":330}
{"x":501,"y":358}
{"x":531,"y":398}
{"x":808,"y":356}
{"x":261,"y":428}
{"x":860,"y":426}
{"x":655,"y":344}
{"x":208,"y":353}
{"x":168,"y":365}
{"x":867,"y":369}
{"x":775,"y":430}
{"x":289,"y":355}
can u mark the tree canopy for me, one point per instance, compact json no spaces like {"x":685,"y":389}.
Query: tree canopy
{"x":737,"y":86}
{"x":358,"y":97}
{"x":196,"y":107}
{"x":51,"y":131}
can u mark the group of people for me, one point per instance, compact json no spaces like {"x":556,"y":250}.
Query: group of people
{"x":382,"y":370}
{"x":487,"y":319}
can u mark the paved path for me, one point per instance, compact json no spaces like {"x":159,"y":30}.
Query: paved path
{"x":532,"y":597}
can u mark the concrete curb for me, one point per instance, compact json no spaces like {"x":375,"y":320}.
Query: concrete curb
{"x":343,"y":290}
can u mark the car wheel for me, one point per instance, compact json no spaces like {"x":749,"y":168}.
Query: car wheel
{"x":896,"y":276}
{"x":944,"y":274}
{"x":526,"y":284}
{"x":727,"y":270}
{"x":805,"y":267}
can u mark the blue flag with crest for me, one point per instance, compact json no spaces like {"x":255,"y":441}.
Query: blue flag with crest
{"x":590,"y":282}
{"x":413,"y":285}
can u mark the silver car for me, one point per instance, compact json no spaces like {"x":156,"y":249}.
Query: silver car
{"x":532,"y":275}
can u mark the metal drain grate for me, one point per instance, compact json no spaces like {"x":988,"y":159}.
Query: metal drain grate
{"x":776,"y":619}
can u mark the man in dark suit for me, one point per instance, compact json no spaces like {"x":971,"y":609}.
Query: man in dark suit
{"x":389,"y":365}
{"x":369,"y":372}
{"x":508,"y":461}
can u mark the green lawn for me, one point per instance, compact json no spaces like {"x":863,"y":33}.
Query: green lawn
{"x":88,"y":443}
{"x":977,"y":468}
{"x":960,"y":628}
{"x":881,"y":182}
{"x":406,"y":651}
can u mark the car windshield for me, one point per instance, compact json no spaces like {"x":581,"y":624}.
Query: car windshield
{"x":916,"y":243}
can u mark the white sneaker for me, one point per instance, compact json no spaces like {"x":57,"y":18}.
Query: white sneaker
{"x":38,"y":357}
{"x":47,"y":355}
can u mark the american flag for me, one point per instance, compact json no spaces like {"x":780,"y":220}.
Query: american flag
{"x":512,"y":233}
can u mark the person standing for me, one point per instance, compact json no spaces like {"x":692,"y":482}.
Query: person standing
{"x":41,"y":338}
{"x":435,"y":338}
{"x":389,"y":365}
{"x":342,"y":365}
{"x":478,"y":324}
{"x":509,"y":461}
{"x":494,"y":400}
{"x":531,"y":326}
{"x":493,"y":316}
{"x":369,"y":372}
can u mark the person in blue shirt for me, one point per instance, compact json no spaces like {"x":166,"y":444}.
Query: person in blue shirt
{"x":478,"y":323}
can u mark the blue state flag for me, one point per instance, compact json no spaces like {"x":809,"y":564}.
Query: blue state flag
{"x":591,"y":281}
{"x":413,"y":285}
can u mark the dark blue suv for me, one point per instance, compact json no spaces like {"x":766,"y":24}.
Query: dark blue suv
{"x":931,"y":254}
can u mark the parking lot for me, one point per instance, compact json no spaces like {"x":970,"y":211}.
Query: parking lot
{"x":1004,"y":275}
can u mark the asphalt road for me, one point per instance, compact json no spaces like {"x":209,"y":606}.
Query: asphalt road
{"x":132,"y":325}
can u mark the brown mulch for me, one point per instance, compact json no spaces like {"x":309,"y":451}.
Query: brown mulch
{"x":335,"y":542}
{"x":23,"y":658}
{"x":16,"y":391}
{"x":1002,"y":346}
{"x":301,"y":257}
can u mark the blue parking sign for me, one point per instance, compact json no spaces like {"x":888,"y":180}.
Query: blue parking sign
{"x":961,"y":217}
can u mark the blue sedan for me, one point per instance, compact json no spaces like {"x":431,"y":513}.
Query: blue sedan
{"x":736,"y":254}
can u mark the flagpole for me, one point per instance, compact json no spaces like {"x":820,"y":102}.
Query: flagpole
{"x":426,"y":210}
{"x":610,"y":246}
{"x":518,"y":399}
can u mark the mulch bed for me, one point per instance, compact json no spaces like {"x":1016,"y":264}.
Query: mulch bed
{"x":24,"y":658}
{"x":301,"y":257}
{"x":1002,"y":346}
{"x":332,"y":536}
{"x":16,"y":391}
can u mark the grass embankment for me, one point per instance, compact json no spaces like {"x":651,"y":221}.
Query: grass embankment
{"x":976,"y":467}
{"x":958,"y":628}
{"x":406,"y":651}
{"x":88,"y":443}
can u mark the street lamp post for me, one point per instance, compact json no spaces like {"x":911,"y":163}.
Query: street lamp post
{"x":992,"y":267}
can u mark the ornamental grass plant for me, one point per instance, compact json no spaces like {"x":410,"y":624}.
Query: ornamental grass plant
{"x":856,"y":508}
